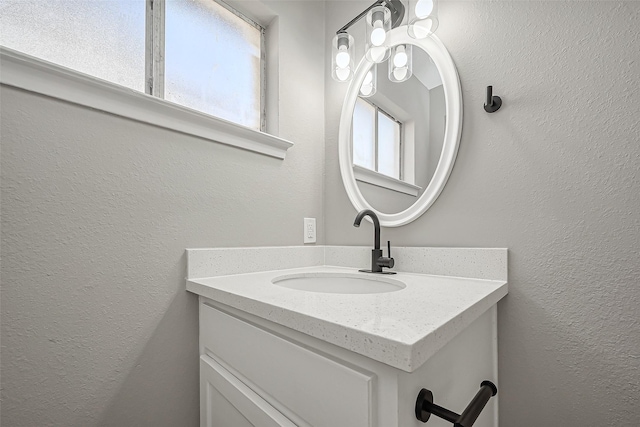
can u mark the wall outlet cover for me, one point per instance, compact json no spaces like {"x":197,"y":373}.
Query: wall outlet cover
{"x":309,"y":230}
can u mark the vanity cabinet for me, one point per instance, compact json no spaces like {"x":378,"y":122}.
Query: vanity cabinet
{"x":254,"y":372}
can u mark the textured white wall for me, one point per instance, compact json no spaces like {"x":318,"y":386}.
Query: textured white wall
{"x":553,"y":176}
{"x":97,"y":210}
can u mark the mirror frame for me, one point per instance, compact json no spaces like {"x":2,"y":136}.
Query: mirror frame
{"x":453,"y":129}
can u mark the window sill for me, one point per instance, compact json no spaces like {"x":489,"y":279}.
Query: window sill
{"x":384,"y":181}
{"x":35,"y":75}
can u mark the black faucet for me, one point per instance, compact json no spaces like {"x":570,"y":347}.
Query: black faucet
{"x":377,"y":260}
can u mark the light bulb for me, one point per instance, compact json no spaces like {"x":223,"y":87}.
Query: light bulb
{"x":424,"y":8}
{"x":378,"y":35}
{"x":377,"y":53}
{"x":400,"y":59}
{"x":343,"y":73}
{"x":423,"y":28}
{"x":366,"y":90}
{"x":343,"y":58}
{"x":368,"y":78}
{"x":400,"y":73}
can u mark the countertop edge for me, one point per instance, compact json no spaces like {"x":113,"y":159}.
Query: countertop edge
{"x":432,"y":343}
{"x":358,"y":341}
{"x":401,"y":355}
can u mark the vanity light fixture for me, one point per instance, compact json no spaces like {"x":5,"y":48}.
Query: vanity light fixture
{"x":400,"y":64}
{"x":421,"y":20}
{"x":342,"y":57}
{"x":378,"y":24}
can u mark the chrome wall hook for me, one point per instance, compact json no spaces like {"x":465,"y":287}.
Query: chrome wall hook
{"x":493,"y":102}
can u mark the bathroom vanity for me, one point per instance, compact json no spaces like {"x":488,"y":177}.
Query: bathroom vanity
{"x":279,"y":350}
{"x":316,"y":343}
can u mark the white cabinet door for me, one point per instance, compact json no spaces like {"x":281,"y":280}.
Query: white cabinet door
{"x":310,"y":387}
{"x":226,"y":402}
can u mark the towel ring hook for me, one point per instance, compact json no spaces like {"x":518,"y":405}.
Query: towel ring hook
{"x":493,"y":102}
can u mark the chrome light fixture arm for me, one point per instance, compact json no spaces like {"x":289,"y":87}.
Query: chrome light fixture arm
{"x":395,"y":7}
{"x":381,"y":17}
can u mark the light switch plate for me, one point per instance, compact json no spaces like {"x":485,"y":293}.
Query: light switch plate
{"x":309,"y":230}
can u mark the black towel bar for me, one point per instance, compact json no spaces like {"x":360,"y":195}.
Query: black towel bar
{"x":425,"y":406}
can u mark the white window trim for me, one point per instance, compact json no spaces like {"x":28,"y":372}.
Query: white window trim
{"x":376,"y":178}
{"x":35,"y":75}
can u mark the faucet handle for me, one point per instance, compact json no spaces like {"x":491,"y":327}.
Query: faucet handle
{"x":386,"y":261}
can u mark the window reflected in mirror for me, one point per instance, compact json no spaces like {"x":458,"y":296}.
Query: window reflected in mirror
{"x":397,"y":136}
{"x":376,"y":139}
{"x":388,"y":147}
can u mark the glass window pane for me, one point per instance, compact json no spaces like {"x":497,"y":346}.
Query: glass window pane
{"x":212,"y":61}
{"x":364,"y":135}
{"x":105,"y":39}
{"x":388,"y":146}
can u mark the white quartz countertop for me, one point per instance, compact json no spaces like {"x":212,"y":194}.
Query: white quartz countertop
{"x":402,"y":328}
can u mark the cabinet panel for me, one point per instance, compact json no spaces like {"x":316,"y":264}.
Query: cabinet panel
{"x":226,"y":402}
{"x":319,"y":390}
{"x":454,"y":375}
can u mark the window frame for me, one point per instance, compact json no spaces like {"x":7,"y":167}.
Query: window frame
{"x":36,"y":75}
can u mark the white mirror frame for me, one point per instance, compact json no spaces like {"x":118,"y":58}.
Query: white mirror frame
{"x":453,"y":129}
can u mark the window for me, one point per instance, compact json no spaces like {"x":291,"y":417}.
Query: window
{"x":105,"y":39}
{"x":196,"y":53}
{"x":213,"y":61}
{"x":376,"y":140}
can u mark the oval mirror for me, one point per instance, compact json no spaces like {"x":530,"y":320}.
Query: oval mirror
{"x":397,"y":147}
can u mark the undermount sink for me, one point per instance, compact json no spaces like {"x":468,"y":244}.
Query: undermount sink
{"x":339,"y":283}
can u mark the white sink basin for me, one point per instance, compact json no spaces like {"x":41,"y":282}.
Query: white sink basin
{"x":339,"y":283}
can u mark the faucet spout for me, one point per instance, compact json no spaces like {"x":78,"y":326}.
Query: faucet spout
{"x":377,"y":260}
{"x":376,"y":225}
